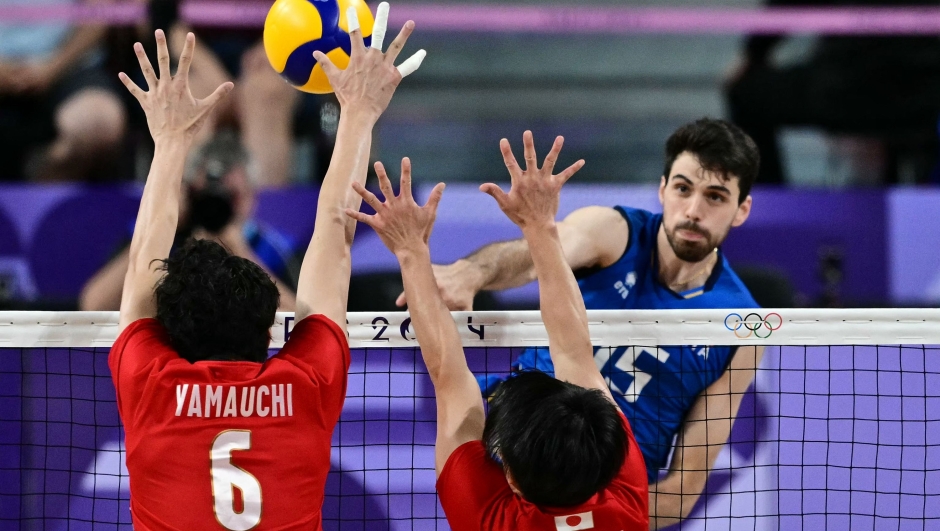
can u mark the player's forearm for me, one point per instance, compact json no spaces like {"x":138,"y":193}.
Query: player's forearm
{"x":327,"y":265}
{"x":159,"y":205}
{"x":673,"y":498}
{"x":500,"y":265}
{"x":434,"y":327}
{"x":703,"y":434}
{"x":560,"y":300}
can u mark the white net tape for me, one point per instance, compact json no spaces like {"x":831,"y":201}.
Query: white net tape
{"x":504,"y":329}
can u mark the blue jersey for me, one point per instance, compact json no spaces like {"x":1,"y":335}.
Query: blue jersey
{"x":654,"y":386}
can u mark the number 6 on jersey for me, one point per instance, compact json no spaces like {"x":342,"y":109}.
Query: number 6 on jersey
{"x":227,"y":477}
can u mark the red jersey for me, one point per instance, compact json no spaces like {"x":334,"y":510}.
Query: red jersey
{"x":476,"y":497}
{"x":229,"y":444}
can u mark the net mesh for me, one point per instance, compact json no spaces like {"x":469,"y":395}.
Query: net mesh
{"x":828,"y":437}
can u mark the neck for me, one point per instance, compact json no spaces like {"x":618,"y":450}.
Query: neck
{"x":678,"y":274}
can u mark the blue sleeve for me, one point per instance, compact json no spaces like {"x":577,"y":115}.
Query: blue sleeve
{"x":274,"y":249}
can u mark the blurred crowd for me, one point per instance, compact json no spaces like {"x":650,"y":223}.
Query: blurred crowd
{"x":64,"y":117}
{"x":881,"y":91}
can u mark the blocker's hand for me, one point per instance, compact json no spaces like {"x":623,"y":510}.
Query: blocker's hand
{"x":532,"y":200}
{"x":169,"y":105}
{"x":402,"y":225}
{"x":369,"y":81}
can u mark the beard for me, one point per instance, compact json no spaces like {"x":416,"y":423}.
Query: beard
{"x":689,"y":250}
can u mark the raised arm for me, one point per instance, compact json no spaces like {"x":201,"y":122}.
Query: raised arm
{"x":590,"y":236}
{"x":532,"y":204}
{"x":174,"y":117}
{"x":702,"y":435}
{"x":405,"y":228}
{"x":364,"y":90}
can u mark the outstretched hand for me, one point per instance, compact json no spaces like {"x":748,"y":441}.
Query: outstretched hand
{"x":369,"y":81}
{"x":402,"y":225}
{"x":168,"y":103}
{"x":532,"y":200}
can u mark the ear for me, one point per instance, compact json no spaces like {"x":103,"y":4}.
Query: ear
{"x":512,"y":483}
{"x":744,"y":210}
{"x":662,"y":189}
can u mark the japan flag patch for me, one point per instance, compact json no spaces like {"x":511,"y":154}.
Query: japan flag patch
{"x":575,"y":521}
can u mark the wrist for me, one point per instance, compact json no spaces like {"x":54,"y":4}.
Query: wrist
{"x":540,"y":228}
{"x":412,"y":253}
{"x":171,"y":142}
{"x":357,"y":116}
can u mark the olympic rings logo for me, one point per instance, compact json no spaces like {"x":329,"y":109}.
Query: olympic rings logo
{"x":753,"y":325}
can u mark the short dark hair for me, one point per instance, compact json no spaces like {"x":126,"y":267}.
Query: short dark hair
{"x":215,"y":305}
{"x":720,"y":147}
{"x":560,"y":442}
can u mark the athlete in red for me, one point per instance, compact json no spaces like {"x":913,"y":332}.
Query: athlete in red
{"x":217,"y":435}
{"x":551,"y":454}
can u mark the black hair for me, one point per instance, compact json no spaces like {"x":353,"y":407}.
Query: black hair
{"x":560,"y":442}
{"x":215,"y":305}
{"x":720,"y":147}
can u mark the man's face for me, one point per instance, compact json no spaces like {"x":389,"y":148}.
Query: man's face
{"x":699,"y":208}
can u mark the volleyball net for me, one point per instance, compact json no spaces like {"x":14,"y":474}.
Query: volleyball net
{"x":839,"y":430}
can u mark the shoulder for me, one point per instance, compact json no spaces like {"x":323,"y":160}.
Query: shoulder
{"x":471,"y":482}
{"x":733,"y":291}
{"x":469,"y":458}
{"x":596,"y":218}
{"x":316,"y":328}
{"x":633,"y":466}
{"x":631,"y":483}
{"x":142,"y":349}
{"x":599,"y":235}
{"x":639,"y":220}
{"x":319,"y":347}
{"x":143,"y":333}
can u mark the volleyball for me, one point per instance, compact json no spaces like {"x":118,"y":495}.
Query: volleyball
{"x":294,"y":29}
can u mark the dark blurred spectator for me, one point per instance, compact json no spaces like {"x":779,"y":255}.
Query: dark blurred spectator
{"x":60,"y":115}
{"x":881,"y":87}
{"x":263,"y":106}
{"x":218,"y":202}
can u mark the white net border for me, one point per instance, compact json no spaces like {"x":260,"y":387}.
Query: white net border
{"x":907,"y":326}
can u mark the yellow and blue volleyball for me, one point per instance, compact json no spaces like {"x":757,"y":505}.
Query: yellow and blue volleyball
{"x":294,"y":29}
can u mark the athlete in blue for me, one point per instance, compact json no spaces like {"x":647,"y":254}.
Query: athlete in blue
{"x":633,"y":259}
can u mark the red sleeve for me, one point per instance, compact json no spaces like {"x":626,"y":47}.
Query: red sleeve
{"x":469,"y":485}
{"x":319,"y":347}
{"x":631,"y":480}
{"x":141,"y":348}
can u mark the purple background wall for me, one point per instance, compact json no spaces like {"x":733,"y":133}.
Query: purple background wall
{"x":914,"y":246}
{"x":53,"y":238}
